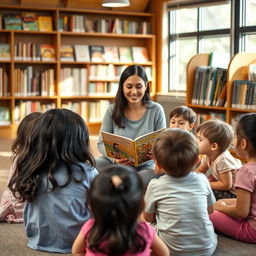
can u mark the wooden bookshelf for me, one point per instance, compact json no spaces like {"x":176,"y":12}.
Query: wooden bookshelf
{"x":237,"y":70}
{"x":142,"y":36}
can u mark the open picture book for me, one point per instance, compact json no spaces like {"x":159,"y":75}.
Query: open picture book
{"x":136,"y":151}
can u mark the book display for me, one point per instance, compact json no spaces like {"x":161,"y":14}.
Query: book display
{"x":236,"y":94}
{"x":66,"y":57}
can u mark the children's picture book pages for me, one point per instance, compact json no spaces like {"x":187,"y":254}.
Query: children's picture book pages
{"x":143,"y":145}
{"x":118,"y":147}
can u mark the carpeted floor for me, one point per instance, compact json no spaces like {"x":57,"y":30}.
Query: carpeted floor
{"x":13,"y":241}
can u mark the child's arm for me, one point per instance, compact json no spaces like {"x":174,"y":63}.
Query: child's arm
{"x":210,"y":209}
{"x":149,"y":217}
{"x":159,"y":248}
{"x":225,"y":182}
{"x":78,"y":248}
{"x":240,"y":209}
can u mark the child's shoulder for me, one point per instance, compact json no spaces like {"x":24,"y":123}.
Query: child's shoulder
{"x":228,"y":160}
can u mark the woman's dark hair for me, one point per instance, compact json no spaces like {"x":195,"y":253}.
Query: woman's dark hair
{"x":246,"y":129}
{"x":24,"y":127}
{"x":59,"y":136}
{"x":116,"y":208}
{"x":120,"y":100}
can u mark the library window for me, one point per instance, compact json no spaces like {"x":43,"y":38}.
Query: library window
{"x":196,"y":29}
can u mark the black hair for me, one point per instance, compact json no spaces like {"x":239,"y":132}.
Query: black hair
{"x":59,"y":136}
{"x":187,"y":113}
{"x":120,"y":100}
{"x":116,"y":209}
{"x":25,"y":125}
{"x":246,"y":129}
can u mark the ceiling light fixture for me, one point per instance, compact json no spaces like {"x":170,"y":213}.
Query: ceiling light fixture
{"x":115,"y":3}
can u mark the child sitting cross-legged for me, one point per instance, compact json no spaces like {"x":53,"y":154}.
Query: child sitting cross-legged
{"x":214,"y":139}
{"x":236,"y":217}
{"x":179,"y":200}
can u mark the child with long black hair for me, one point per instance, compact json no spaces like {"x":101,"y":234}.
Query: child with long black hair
{"x":11,"y":208}
{"x":116,"y":201}
{"x":53,"y":174}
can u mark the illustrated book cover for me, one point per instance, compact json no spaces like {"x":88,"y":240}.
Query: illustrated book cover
{"x":136,"y":151}
{"x":97,"y":53}
{"x":82,"y":53}
{"x":111,"y":54}
{"x":66,"y":53}
{"x":30,"y":21}
{"x":125,"y":54}
{"x":5,"y":52}
{"x":12,"y":21}
{"x":45,"y":23}
{"x":140,"y":54}
{"x":47,"y":52}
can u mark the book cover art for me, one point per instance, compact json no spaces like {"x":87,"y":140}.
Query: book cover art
{"x":5,"y":117}
{"x":140,"y":54}
{"x":97,"y":53}
{"x":47,"y":52}
{"x":5,"y":52}
{"x":45,"y":23}
{"x":66,"y":53}
{"x":30,"y":21}
{"x":82,"y":53}
{"x":111,"y":54}
{"x":136,"y":151}
{"x":125,"y":54}
{"x":13,"y":22}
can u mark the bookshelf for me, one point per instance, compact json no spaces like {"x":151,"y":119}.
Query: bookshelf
{"x":237,"y":70}
{"x":94,"y":82}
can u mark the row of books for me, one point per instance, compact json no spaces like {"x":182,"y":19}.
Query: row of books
{"x":30,"y":21}
{"x":111,"y":72}
{"x":244,"y":94}
{"x":100,"y":53}
{"x":91,"y":111}
{"x":102,"y":89}
{"x":5,"y":117}
{"x":28,"y":82}
{"x":4,"y":83}
{"x":210,"y":86}
{"x":23,"y":108}
{"x":73,"y":82}
{"x":201,"y":117}
{"x":26,"y":21}
{"x":80,"y":53}
{"x":81,"y":24}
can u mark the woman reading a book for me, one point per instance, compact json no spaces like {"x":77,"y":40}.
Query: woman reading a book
{"x":133,"y":114}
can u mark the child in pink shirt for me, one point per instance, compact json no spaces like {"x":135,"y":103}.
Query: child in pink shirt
{"x":116,"y":201}
{"x":237,"y":217}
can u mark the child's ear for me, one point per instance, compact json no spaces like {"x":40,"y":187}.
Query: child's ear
{"x":158,"y":169}
{"x":214,"y":146}
{"x":243,"y":143}
{"x":191,"y":126}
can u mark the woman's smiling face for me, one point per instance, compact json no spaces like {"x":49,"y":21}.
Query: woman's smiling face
{"x":134,"y":89}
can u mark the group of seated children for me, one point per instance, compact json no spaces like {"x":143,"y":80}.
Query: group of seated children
{"x":53,"y":167}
